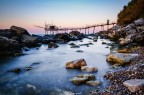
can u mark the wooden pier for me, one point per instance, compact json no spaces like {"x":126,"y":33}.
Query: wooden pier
{"x":52,"y":29}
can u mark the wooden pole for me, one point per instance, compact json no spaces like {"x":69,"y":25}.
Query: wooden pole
{"x":93,"y":29}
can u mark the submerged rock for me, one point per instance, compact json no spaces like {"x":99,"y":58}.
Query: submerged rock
{"x":103,"y":42}
{"x":79,"y":51}
{"x":72,"y":44}
{"x":52,"y":45}
{"x":75,"y":46}
{"x":93,"y":83}
{"x":89,"y":69}
{"x":27,"y":68}
{"x":76,"y":64}
{"x":134,"y":84}
{"x":80,"y":79}
{"x":87,"y":44}
{"x":67,"y":93}
{"x":16,"y":70}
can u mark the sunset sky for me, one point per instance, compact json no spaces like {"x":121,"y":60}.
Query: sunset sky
{"x":65,"y":13}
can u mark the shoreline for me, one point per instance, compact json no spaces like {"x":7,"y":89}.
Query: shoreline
{"x":126,"y":53}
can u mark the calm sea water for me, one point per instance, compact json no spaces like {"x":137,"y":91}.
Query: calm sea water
{"x":50,"y":77}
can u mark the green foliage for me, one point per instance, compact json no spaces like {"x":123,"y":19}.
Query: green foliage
{"x":131,"y":12}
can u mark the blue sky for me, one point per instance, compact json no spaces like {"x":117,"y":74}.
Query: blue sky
{"x":65,"y":13}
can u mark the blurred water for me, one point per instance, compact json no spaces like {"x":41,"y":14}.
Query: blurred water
{"x":50,"y":76}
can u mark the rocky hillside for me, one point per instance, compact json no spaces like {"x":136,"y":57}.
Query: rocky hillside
{"x":131,"y":12}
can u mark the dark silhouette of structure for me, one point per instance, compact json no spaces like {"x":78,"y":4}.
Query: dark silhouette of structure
{"x":53,"y":29}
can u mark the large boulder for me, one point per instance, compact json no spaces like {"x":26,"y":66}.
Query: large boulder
{"x":76,"y":64}
{"x":19,"y":31}
{"x":89,"y":69}
{"x":134,"y":84}
{"x":133,"y":38}
{"x":63,"y":36}
{"x":120,"y":58}
{"x":127,"y":40}
{"x":76,"y":35}
{"x":30,"y":41}
{"x":129,"y":27}
{"x":80,"y":79}
{"x":139,"y":22}
{"x":9,"y":46}
{"x":7,"y":33}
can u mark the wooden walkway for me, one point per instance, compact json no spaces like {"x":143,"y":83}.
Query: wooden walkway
{"x":52,"y":29}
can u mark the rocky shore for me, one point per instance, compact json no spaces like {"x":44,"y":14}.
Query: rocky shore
{"x":127,"y":55}
{"x":16,"y":39}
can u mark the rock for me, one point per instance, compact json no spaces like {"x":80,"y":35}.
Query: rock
{"x":9,"y":46}
{"x":127,"y":40}
{"x":129,"y":27}
{"x":75,"y":46}
{"x":87,"y":44}
{"x":134,"y":84}
{"x":75,"y":33}
{"x":16,"y":70}
{"x":139,"y":22}
{"x":139,"y":38}
{"x":26,"y":49}
{"x":89,"y":69}
{"x":76,"y":64}
{"x":60,"y":41}
{"x":32,"y":90}
{"x":80,"y":79}
{"x":93,"y":83}
{"x":52,"y":45}
{"x":67,"y":93}
{"x":115,"y":66}
{"x":125,"y":50}
{"x":120,"y":58}
{"x":39,"y":38}
{"x":94,"y":40}
{"x":7,"y":33}
{"x":72,"y":44}
{"x":103,"y":42}
{"x":27,"y":68}
{"x":29,"y":86}
{"x":19,"y":31}
{"x":132,"y":31}
{"x":63,"y":36}
{"x":90,"y":43}
{"x":30,"y":41}
{"x":36,"y":63}
{"x":46,"y":39}
{"x":79,"y":51}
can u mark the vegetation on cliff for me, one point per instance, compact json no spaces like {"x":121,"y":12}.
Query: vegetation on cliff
{"x":131,"y":12}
